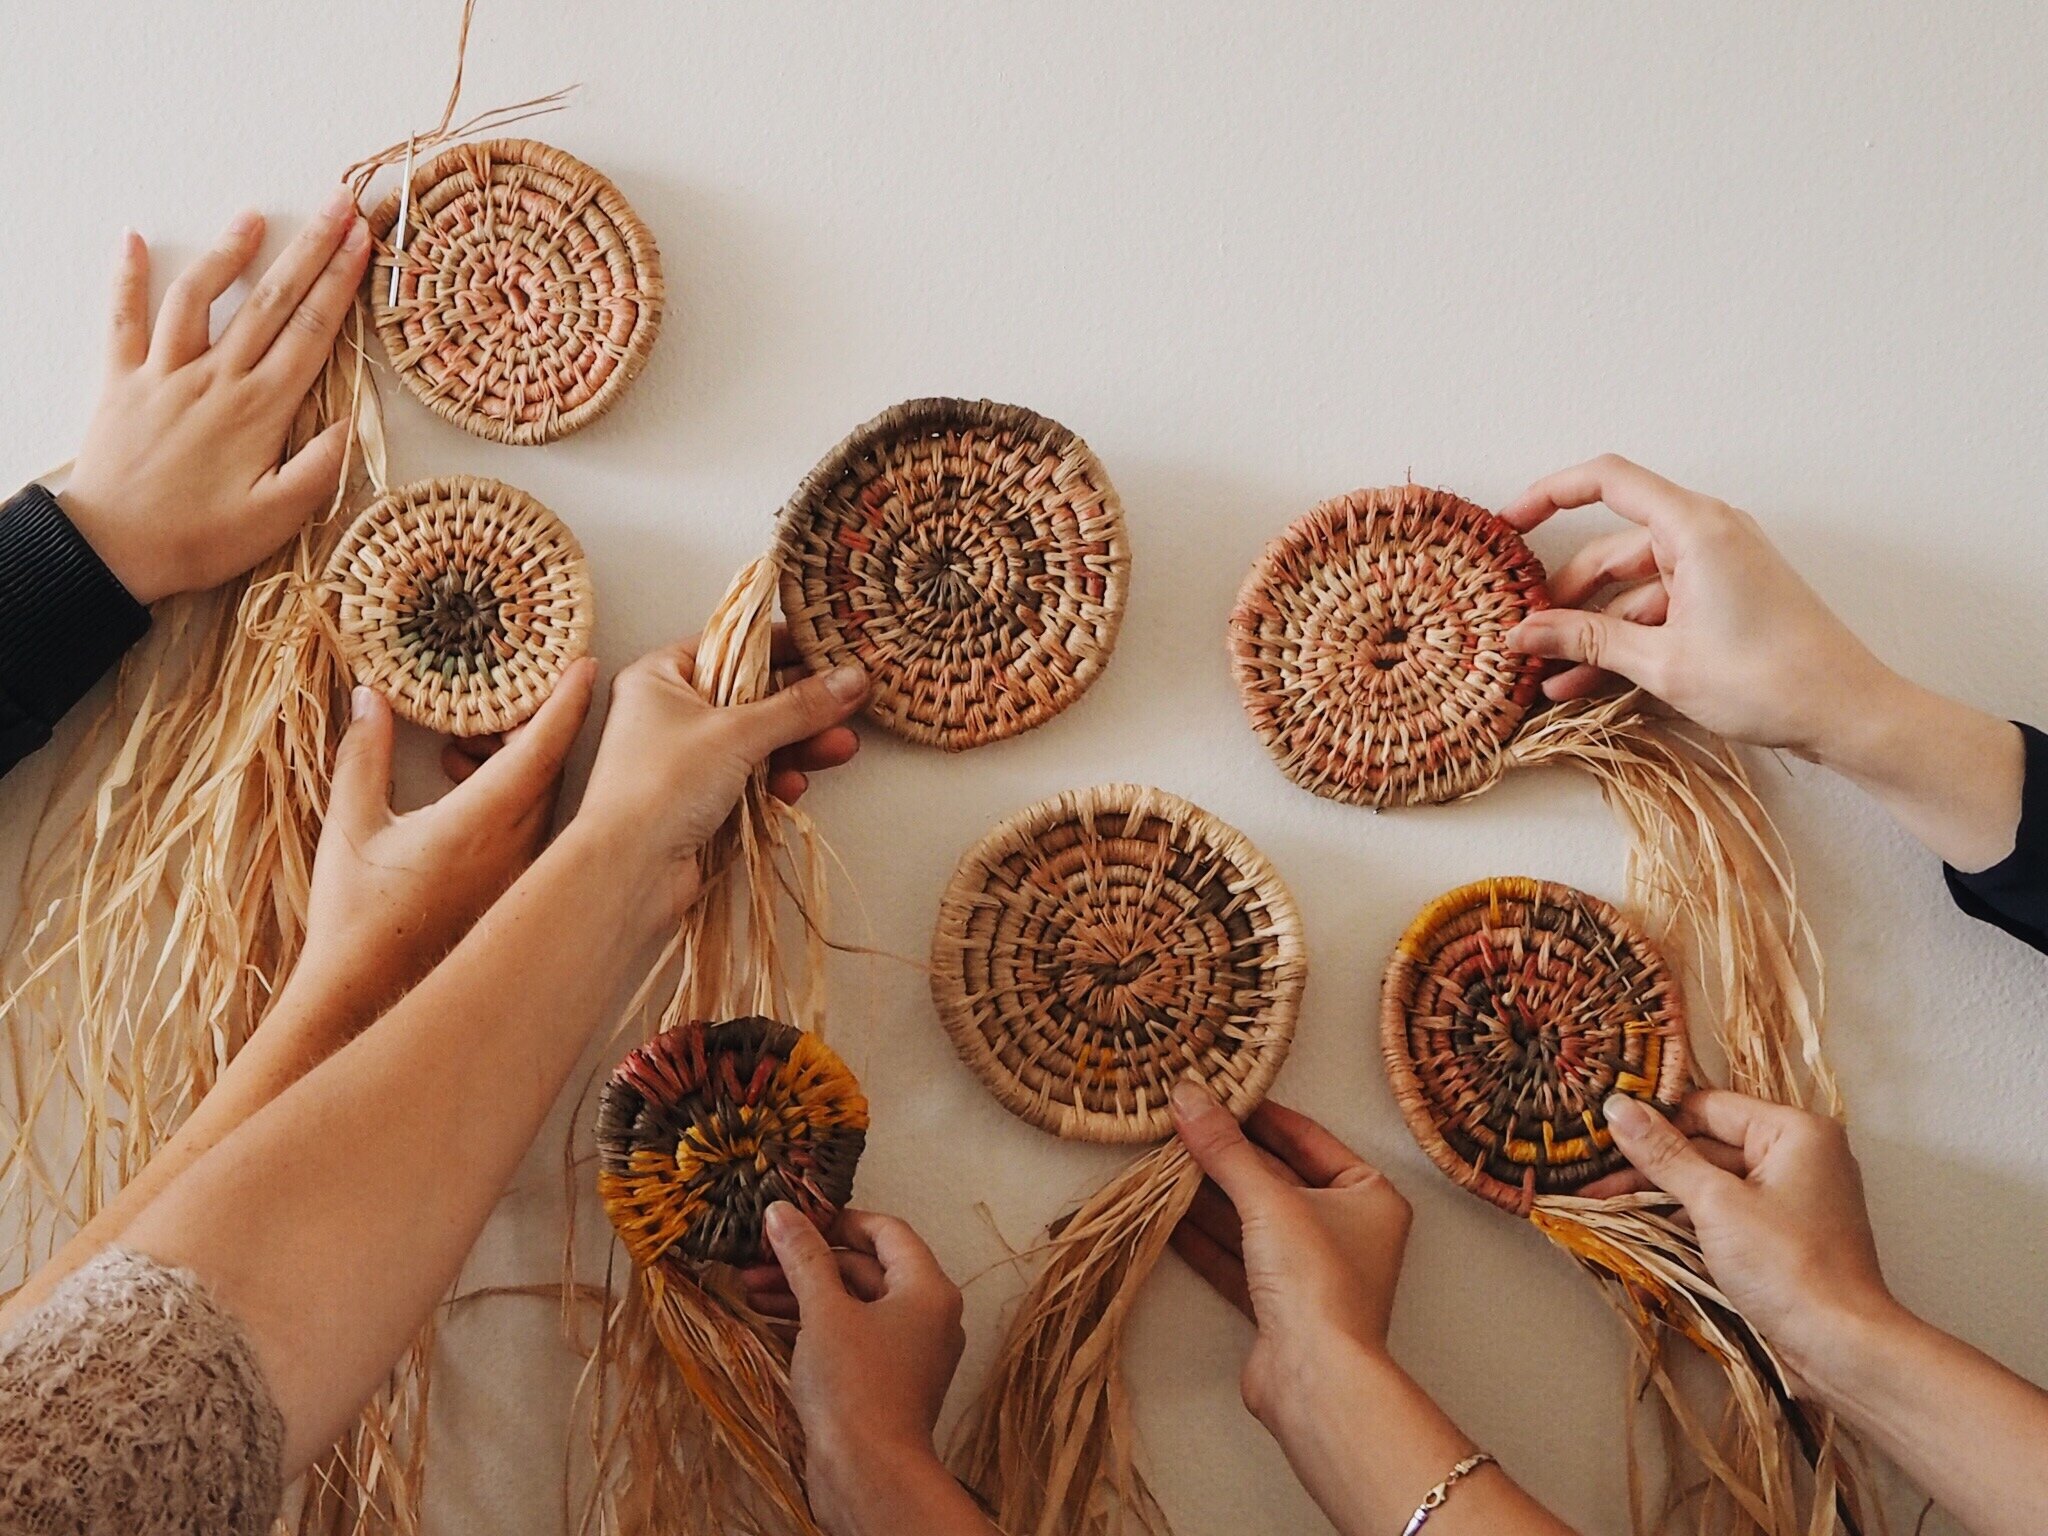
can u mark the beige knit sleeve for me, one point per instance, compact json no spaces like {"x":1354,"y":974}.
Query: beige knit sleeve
{"x":131,"y":1403}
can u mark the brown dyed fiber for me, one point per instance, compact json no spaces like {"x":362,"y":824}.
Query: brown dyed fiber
{"x":529,"y":292}
{"x":1511,"y":1009}
{"x":1100,"y":946}
{"x":970,"y":555}
{"x":1369,"y":646}
{"x":462,"y":601}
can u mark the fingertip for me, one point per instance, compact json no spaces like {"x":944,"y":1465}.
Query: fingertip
{"x":1190,"y":1100}
{"x":788,"y":785}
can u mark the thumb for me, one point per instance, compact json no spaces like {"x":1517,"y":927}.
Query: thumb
{"x":805,"y":1257}
{"x":1660,"y":1152}
{"x":361,"y":793}
{"x":299,"y":487}
{"x":1217,"y":1143}
{"x":802,"y":710}
{"x":1593,"y":639}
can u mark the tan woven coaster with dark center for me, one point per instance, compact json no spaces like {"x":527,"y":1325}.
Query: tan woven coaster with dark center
{"x":462,"y":601}
{"x":1511,"y":1010}
{"x":970,"y":555}
{"x":1100,"y":946}
{"x":1370,"y":651}
{"x":529,"y":292}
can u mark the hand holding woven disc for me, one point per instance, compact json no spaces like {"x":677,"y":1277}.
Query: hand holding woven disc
{"x":970,"y":555}
{"x":462,"y":601}
{"x":705,"y":1126}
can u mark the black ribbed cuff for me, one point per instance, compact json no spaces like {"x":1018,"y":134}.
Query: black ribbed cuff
{"x":64,"y":617}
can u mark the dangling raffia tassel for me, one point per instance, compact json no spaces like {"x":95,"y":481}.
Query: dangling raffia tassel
{"x":1091,"y":952}
{"x":1369,"y":642}
{"x":707,"y":1412}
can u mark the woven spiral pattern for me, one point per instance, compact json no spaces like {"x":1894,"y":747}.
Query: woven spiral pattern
{"x":705,"y":1126}
{"x":1100,"y":946}
{"x":461,"y":600}
{"x":970,"y":555}
{"x":529,"y":293}
{"x":1511,"y":1010}
{"x":1369,"y":646}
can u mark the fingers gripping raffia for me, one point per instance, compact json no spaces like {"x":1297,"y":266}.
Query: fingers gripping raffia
{"x":529,"y":292}
{"x":970,"y":555}
{"x":1090,"y":952}
{"x":462,"y":600}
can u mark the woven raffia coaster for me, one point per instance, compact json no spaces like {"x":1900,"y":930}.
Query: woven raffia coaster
{"x":1100,"y":946}
{"x":462,"y":601}
{"x":705,"y":1126}
{"x":1511,"y":1010}
{"x":970,"y":555}
{"x":1369,"y":646}
{"x":529,"y":292}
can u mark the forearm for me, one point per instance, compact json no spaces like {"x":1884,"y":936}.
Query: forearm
{"x":881,"y":1493}
{"x":1949,"y":774}
{"x":313,"y":1015}
{"x":1969,"y":1432}
{"x":1368,"y":1444}
{"x":333,"y":1220}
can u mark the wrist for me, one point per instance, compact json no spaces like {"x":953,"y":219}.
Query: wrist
{"x":134,"y":567}
{"x":1304,"y":1388}
{"x":651,"y":884}
{"x":1854,"y":1355}
{"x":866,"y":1484}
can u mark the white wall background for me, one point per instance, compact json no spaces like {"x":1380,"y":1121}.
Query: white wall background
{"x":1256,"y":256}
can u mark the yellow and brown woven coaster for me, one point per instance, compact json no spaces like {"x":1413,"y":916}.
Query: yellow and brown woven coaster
{"x":461,"y":600}
{"x":1099,"y":946}
{"x":970,"y":555}
{"x":1369,"y":646}
{"x":529,"y":292}
{"x":1511,"y":1009}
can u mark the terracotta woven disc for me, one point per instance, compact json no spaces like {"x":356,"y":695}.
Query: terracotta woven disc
{"x":970,"y":555}
{"x":705,"y":1126}
{"x":1100,"y":946}
{"x":1368,"y":643}
{"x":462,"y":601}
{"x":529,"y":292}
{"x":1511,"y":1010}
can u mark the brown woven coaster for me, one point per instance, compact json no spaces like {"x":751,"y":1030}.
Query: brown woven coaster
{"x":1368,"y":643}
{"x":970,"y":555}
{"x":1100,"y":946}
{"x":705,"y":1126}
{"x":462,"y":601}
{"x":529,"y":292}
{"x":1512,"y":1008}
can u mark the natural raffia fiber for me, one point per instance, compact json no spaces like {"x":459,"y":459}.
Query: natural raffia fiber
{"x":970,"y":555}
{"x":462,"y":600}
{"x":1369,"y":645}
{"x":705,"y":1126}
{"x":690,"y":1421}
{"x":1090,"y":952}
{"x":529,"y":292}
{"x":1512,"y":1008}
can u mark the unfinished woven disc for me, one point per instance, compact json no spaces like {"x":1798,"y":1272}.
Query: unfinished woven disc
{"x":529,"y":292}
{"x":705,"y":1126}
{"x":462,"y":601}
{"x":1100,"y":946}
{"x":1511,"y":1010}
{"x":970,"y":555}
{"x":1369,"y":646}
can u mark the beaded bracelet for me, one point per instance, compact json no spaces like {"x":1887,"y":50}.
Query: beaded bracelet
{"x":1433,"y":1500}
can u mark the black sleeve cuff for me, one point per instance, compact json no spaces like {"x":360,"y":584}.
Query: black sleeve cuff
{"x":2013,"y":893}
{"x":64,"y":619}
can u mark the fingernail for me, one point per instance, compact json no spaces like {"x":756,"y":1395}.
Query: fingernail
{"x":358,"y":235}
{"x":359,"y":701}
{"x":1189,"y":1098}
{"x":339,"y":201}
{"x":847,"y":682}
{"x":780,"y":1218}
{"x":1625,"y":1113}
{"x":244,"y":223}
{"x":1513,"y":638}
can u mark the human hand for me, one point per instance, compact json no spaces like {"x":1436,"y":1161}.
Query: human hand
{"x":880,"y":1338}
{"x":1708,"y":616}
{"x":393,"y":893}
{"x":1296,"y":1231}
{"x":181,"y":482}
{"x":671,"y":765}
{"x":1776,"y":1198}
